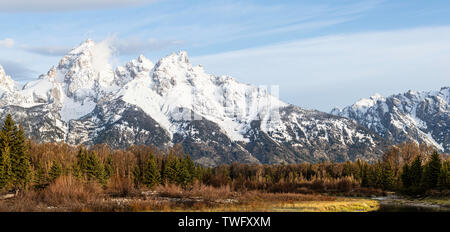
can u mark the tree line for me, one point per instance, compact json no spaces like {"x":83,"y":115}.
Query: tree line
{"x":407,"y":168}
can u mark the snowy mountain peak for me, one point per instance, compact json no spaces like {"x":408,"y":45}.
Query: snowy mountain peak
{"x":365,"y":103}
{"x":86,"y":70}
{"x":144,"y":63}
{"x":133,"y":69}
{"x":6,"y":83}
{"x":421,"y":116}
{"x":181,"y":59}
{"x":143,"y":59}
{"x":82,"y":47}
{"x":376,"y":97}
{"x":182,"y":56}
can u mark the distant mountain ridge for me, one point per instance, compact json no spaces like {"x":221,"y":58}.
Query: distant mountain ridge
{"x":84,"y":100}
{"x":423,"y":117}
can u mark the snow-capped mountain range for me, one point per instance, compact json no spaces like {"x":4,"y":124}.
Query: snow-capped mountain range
{"x":216,"y":119}
{"x":423,"y":117}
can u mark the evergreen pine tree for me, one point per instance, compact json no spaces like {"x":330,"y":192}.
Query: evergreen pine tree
{"x":432,"y":171}
{"x":416,"y":171}
{"x":6,"y":137}
{"x":364,"y":176}
{"x":5,"y":167}
{"x":95,"y":169}
{"x":444,"y":176}
{"x":13,"y":137}
{"x":378,"y":175}
{"x":151,"y":175}
{"x":89,"y":166}
{"x":183,"y":177}
{"x":347,"y":170}
{"x":200,"y":171}
{"x":406,"y":177}
{"x":109,"y":167}
{"x":40,"y":177}
{"x":56,"y":171}
{"x":170,"y":170}
{"x":76,"y":171}
{"x":388,"y":177}
{"x":82,"y":162}
{"x":190,"y":167}
{"x":358,"y":170}
{"x":371,"y":176}
{"x":8,"y":130}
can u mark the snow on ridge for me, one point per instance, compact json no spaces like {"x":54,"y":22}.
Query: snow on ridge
{"x":85,"y":68}
{"x":175,"y":87}
{"x":139,"y":68}
{"x":433,"y":141}
{"x":166,"y":91}
{"x":78,"y":80}
{"x":365,"y":103}
{"x":401,"y":112}
{"x":74,"y":109}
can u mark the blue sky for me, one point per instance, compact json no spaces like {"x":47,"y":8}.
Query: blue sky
{"x":322,"y":53}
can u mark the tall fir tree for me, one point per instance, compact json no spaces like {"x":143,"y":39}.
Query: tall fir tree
{"x":406,"y":177}
{"x":89,"y":166}
{"x":416,"y":172}
{"x":183,"y":177}
{"x":388,"y":177}
{"x":82,"y":162}
{"x":170,"y":170}
{"x":8,"y":132}
{"x":347,"y":170}
{"x":95,"y":169}
{"x":151,"y":175}
{"x":56,"y":170}
{"x":444,"y":176}
{"x":5,"y":167}
{"x":6,"y":138}
{"x":40,"y":176}
{"x":190,"y":166}
{"x":364,"y":176}
{"x":432,"y":171}
{"x":378,"y":175}
{"x":14,"y":138}
{"x":109,"y":167}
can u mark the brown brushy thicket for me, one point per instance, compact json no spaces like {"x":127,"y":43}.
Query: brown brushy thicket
{"x":69,"y":190}
{"x":66,"y":193}
{"x":198,"y":189}
{"x":119,"y":186}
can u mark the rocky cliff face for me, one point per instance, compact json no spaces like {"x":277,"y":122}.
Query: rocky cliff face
{"x":216,"y":119}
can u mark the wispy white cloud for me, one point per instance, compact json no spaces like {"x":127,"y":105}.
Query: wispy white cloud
{"x":337,"y":70}
{"x":227,"y":21}
{"x":119,"y":46}
{"x":7,"y":43}
{"x":64,"y":5}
